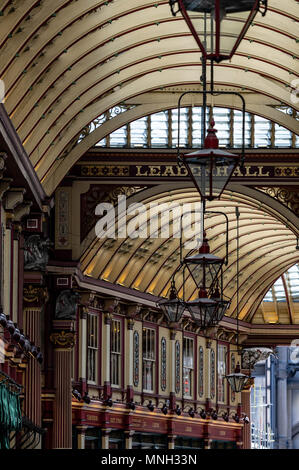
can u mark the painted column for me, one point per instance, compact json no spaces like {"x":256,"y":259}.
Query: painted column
{"x":110,"y":306}
{"x":106,"y":355}
{"x":129,"y":359}
{"x":132,"y":311}
{"x":82,"y":349}
{"x":172,"y":366}
{"x":32,"y":398}
{"x":245,"y":399}
{"x":171,"y":442}
{"x":129,"y":439}
{"x":105,"y":438}
{"x":34,"y":297}
{"x":63,"y":340}
{"x":81,"y":436}
{"x":282,"y":401}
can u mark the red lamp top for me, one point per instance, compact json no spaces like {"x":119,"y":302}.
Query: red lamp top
{"x":211,"y":140}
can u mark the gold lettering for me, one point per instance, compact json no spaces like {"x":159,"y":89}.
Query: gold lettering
{"x":139,"y":173}
{"x":155,"y":171}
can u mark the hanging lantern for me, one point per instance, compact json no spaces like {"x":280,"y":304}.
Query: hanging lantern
{"x":173,"y":308}
{"x":210,"y":168}
{"x":223,"y":306}
{"x":227,"y":22}
{"x":204,"y":267}
{"x":237,"y":380}
{"x":203,"y":309}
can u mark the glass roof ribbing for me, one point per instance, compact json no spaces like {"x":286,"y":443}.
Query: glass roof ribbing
{"x":285,"y":286}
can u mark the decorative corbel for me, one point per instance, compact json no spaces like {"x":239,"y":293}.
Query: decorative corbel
{"x":13,"y":198}
{"x":133,"y":310}
{"x":110,"y":305}
{"x":4,"y":186}
{"x":22,"y":210}
{"x":3,"y":157}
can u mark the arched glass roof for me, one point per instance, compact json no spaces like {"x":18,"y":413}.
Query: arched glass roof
{"x":286,"y":287}
{"x":160,"y":130}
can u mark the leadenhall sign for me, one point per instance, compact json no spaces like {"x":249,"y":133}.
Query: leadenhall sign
{"x":175,"y":171}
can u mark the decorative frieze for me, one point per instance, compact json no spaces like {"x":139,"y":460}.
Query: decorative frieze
{"x":163,"y":365}
{"x":136,"y":359}
{"x":177,"y":367}
{"x":201,"y":371}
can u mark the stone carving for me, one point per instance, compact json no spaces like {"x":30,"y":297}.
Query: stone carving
{"x":250,"y":356}
{"x":66,"y":305}
{"x":36,"y":255}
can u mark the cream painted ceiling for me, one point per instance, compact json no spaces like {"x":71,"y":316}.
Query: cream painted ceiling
{"x":66,"y":62}
{"x":267,"y":249}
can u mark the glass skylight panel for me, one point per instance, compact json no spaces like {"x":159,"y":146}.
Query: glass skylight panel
{"x":222,"y":124}
{"x":279,"y":291}
{"x":159,"y":129}
{"x":102,"y":143}
{"x":196,"y":125}
{"x":269,"y":296}
{"x":283,"y":137}
{"x":262,"y":132}
{"x":292,"y":278}
{"x":184,"y":125}
{"x":118,"y":138}
{"x":238,"y":120}
{"x":138,"y":132}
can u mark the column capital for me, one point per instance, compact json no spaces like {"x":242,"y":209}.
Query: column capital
{"x":107,"y":318}
{"x":172,"y":334}
{"x":35,"y":296}
{"x":130,"y":324}
{"x":63,"y":339}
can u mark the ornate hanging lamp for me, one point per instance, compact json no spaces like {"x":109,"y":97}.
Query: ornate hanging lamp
{"x":204,"y":267}
{"x":218,"y":26}
{"x":203,"y":309}
{"x":210,"y":168}
{"x":237,"y":380}
{"x":173,"y":308}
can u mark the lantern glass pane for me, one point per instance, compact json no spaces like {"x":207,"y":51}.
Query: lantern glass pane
{"x":222,"y":170}
{"x":202,"y":311}
{"x":211,"y":273}
{"x":233,"y":16}
{"x":173,"y":309}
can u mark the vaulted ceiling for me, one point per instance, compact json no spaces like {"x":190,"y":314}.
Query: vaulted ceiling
{"x":267,"y":249}
{"x":66,"y":62}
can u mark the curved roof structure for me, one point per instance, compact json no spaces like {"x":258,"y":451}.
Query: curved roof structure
{"x":146,"y":263}
{"x":63,"y":66}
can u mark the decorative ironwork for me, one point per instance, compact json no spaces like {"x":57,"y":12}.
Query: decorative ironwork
{"x":286,"y":196}
{"x":163,"y":365}
{"x":136,"y":359}
{"x":201,"y":371}
{"x":100,"y":120}
{"x":177,"y":367}
{"x":10,"y":409}
{"x":212,"y":374}
{"x":232,"y":368}
{"x":250,"y":356}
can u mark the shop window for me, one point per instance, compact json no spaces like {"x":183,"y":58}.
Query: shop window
{"x":149,"y":441}
{"x":222,"y":354}
{"x":92,"y":347}
{"x":188,"y":366}
{"x":115,"y":353}
{"x":148,"y":351}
